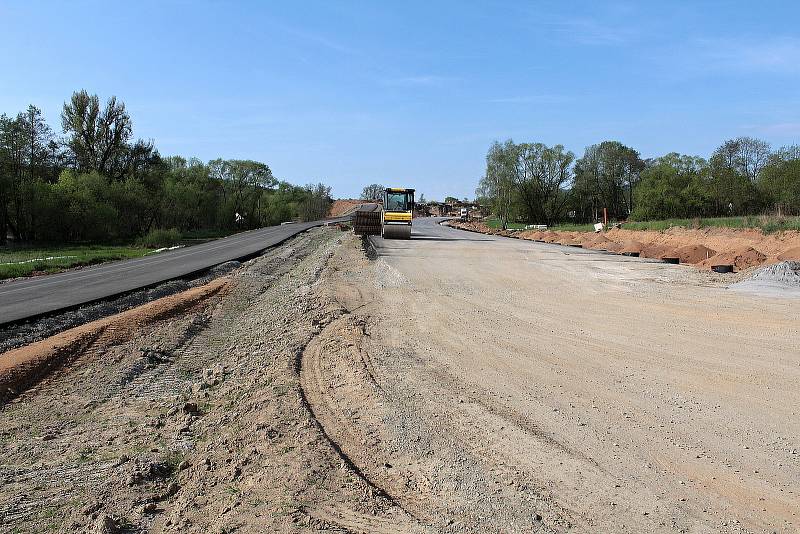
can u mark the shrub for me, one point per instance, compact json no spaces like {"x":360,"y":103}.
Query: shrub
{"x":160,"y":237}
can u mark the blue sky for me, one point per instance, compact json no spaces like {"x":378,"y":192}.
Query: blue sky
{"x":412,"y":93}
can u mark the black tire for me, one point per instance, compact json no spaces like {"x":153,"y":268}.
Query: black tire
{"x":722,"y":268}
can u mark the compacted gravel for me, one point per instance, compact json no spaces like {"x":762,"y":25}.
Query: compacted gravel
{"x":453,"y":383}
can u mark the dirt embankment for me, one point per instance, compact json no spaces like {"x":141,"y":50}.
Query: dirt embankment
{"x":23,"y":367}
{"x":193,"y":421}
{"x":704,"y":248}
{"x":343,"y":206}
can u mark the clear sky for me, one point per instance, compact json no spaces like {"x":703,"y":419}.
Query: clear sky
{"x":412,"y":93}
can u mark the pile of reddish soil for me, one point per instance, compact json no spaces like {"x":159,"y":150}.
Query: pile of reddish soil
{"x":550,"y":237}
{"x":656,"y":250}
{"x":790,"y":254}
{"x":595,"y":241}
{"x":342,"y":206}
{"x":567,"y":238}
{"x":694,"y":253}
{"x":741,"y":258}
{"x":631,"y":245}
{"x":742,"y":248}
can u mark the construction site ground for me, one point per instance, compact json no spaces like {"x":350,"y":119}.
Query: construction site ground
{"x":456,"y":382}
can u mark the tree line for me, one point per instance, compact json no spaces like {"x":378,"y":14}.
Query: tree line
{"x":97,"y":183}
{"x":548,"y":184}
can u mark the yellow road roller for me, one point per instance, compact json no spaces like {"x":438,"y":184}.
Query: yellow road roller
{"x":398,"y":207}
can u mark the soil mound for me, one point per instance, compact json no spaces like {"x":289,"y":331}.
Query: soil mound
{"x":740,"y":258}
{"x":343,"y":206}
{"x":791,"y":254}
{"x":550,"y":237}
{"x":631,"y":246}
{"x":567,"y":238}
{"x":594,"y":241}
{"x":694,"y":253}
{"x":656,"y":250}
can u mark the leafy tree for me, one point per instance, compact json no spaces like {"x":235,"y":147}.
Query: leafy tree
{"x":317,"y":202}
{"x":244,"y":182}
{"x":605,"y":177}
{"x":734,"y":170}
{"x":372,"y":192}
{"x":99,"y":138}
{"x":498,"y":183}
{"x":673,"y":186}
{"x":780,"y":180}
{"x":744,"y":155}
{"x":542,"y":174}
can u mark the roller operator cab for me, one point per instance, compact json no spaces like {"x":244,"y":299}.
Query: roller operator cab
{"x":398,"y":207}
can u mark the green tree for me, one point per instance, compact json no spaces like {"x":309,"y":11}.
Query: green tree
{"x":317,"y":202}
{"x":542,"y":173}
{"x":735,"y":168}
{"x":372,"y":192}
{"x":605,"y":177}
{"x":499,"y":180}
{"x":99,"y":137}
{"x":780,"y":181}
{"x":243,"y":184}
{"x":673,"y":186}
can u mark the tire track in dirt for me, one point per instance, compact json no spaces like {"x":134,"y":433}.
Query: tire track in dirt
{"x":339,"y":433}
{"x":384,"y":429}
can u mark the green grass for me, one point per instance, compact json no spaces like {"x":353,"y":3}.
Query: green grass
{"x":62,"y":257}
{"x":573,"y":227}
{"x":495,"y":223}
{"x":767,"y":223}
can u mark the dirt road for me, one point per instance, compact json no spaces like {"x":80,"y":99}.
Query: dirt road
{"x":520,"y":386}
{"x":452,"y":383}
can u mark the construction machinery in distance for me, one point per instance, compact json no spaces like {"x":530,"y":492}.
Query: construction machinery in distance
{"x":392,"y":220}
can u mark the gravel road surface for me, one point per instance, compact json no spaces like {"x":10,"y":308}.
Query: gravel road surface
{"x":621,"y":395}
{"x":453,"y":383}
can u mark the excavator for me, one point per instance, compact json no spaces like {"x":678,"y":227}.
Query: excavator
{"x":392,"y":220}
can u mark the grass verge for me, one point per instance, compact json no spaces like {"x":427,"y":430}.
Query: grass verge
{"x":26,"y":261}
{"x":766,"y":223}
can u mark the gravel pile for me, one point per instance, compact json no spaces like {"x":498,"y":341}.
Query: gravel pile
{"x":785,"y":272}
{"x":778,"y":280}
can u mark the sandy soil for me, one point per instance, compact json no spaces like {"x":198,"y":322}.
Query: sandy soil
{"x":514,"y":387}
{"x":196,"y":423}
{"x":343,"y":206}
{"x":742,"y":248}
{"x":453,"y":383}
{"x":22,"y":367}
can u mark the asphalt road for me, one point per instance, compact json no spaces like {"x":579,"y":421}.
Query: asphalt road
{"x":31,"y":297}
